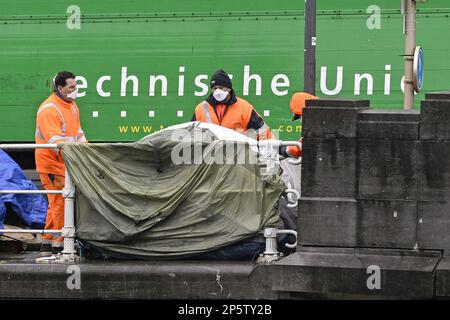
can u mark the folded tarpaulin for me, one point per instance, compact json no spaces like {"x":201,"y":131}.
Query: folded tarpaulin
{"x":136,"y":200}
{"x":31,"y":209}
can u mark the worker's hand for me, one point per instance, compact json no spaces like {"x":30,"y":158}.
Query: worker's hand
{"x":290,"y":151}
{"x":282,"y":150}
{"x":59,"y":153}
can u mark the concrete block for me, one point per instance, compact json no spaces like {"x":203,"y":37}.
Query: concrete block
{"x":434,"y":172}
{"x":435,"y":118}
{"x":331,"y":118}
{"x":186,"y":280}
{"x":443,"y":95}
{"x":443,"y":278}
{"x":329,"y":123}
{"x":338,"y":103}
{"x":327,"y":221}
{"x":397,"y":130}
{"x":386,"y":115}
{"x":386,"y":223}
{"x":433,"y":225}
{"x":329,"y":168}
{"x":351,"y":272}
{"x":388,"y":169}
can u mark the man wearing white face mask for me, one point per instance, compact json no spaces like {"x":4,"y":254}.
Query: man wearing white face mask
{"x":222,"y":107}
{"x":57,"y":121}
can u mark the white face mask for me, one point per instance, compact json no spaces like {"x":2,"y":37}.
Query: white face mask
{"x":73,"y":95}
{"x":220,"y":94}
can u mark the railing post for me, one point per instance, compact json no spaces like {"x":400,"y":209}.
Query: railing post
{"x":271,"y":253}
{"x":68,"y":231}
{"x":68,"y":192}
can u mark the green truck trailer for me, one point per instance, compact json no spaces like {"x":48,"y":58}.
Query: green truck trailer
{"x":373,"y":220}
{"x":144,"y":65}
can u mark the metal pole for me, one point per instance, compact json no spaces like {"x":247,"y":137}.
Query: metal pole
{"x":69,"y":216}
{"x":30,"y":191}
{"x":410,"y":44}
{"x":30,"y":231}
{"x":27,"y":146}
{"x":271,"y":241}
{"x":276,"y":143}
{"x":309,"y":80}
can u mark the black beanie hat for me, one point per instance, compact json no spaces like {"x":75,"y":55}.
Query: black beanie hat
{"x":221,"y":78}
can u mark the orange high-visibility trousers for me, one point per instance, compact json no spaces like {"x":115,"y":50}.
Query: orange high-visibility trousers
{"x":55,"y":210}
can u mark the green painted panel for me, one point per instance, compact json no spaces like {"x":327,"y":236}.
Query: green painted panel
{"x":140,"y":48}
{"x":183,"y":41}
{"x":89,"y":7}
{"x":362,"y":5}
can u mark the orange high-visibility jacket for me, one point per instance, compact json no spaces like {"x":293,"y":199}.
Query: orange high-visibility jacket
{"x":297,"y":104}
{"x":291,"y":151}
{"x":237,"y":117}
{"x":56,"y":121}
{"x":294,"y":151}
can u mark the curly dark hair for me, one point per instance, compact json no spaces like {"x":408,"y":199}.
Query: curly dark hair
{"x":61,"y":78}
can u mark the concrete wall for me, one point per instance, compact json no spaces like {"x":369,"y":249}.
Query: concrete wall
{"x":376,"y":178}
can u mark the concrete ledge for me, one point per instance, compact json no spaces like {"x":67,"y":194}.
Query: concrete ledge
{"x":333,"y":103}
{"x":314,"y":272}
{"x":383,"y":115}
{"x":21,"y":277}
{"x":334,"y":271}
{"x":443,"y":278}
{"x":434,"y":119}
{"x":443,"y":95}
{"x":394,"y":130}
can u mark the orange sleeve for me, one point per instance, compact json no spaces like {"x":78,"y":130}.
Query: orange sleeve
{"x":80,"y":133}
{"x":268,"y":134}
{"x":80,"y":136}
{"x":198,"y":113}
{"x":257,"y":123}
{"x":294,"y":151}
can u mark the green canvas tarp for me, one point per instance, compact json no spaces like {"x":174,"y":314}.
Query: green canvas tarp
{"x":134,"y":201}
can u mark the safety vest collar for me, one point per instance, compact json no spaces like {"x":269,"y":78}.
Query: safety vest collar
{"x":233,"y":99}
{"x":61,"y":102}
{"x":209,"y":115}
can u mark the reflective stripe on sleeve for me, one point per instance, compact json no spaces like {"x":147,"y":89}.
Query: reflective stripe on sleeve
{"x":52,"y":105}
{"x":39,"y":134}
{"x":55,"y":138}
{"x":206,"y":110}
{"x":263,"y":129}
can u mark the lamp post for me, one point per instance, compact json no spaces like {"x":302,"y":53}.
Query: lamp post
{"x":408,"y":8}
{"x":309,"y":67}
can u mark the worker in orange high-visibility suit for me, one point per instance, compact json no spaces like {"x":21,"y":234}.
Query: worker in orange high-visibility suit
{"x":57,"y":121}
{"x":296,"y":104}
{"x":222,"y":107}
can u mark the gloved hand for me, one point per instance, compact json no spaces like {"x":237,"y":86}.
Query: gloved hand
{"x":290,"y":151}
{"x":282,"y":150}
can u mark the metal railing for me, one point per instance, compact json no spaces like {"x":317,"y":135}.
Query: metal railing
{"x":68,"y":192}
{"x":276,"y":143}
{"x":271,"y":254}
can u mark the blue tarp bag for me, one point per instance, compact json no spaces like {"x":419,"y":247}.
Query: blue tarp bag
{"x":31,"y":208}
